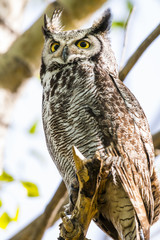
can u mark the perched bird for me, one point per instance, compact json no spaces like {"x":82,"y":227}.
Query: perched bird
{"x":87,"y":106}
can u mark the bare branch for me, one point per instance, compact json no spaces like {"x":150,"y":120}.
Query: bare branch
{"x":137,"y":54}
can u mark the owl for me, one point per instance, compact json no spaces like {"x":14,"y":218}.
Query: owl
{"x":86,"y":105}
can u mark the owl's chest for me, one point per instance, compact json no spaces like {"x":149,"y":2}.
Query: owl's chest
{"x":67,"y":113}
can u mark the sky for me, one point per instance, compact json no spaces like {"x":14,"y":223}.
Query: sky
{"x":26,"y":155}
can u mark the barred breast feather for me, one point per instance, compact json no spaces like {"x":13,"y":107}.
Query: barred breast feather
{"x":69,"y":107}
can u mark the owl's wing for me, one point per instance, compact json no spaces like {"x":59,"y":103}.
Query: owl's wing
{"x":133,"y":142}
{"x":140,"y":121}
{"x":123,"y":121}
{"x":152,"y":204}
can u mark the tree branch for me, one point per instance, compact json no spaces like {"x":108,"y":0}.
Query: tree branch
{"x":137,"y":54}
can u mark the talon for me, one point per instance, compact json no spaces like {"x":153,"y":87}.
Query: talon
{"x":68,"y":225}
{"x":62,"y":215}
{"x":68,"y":209}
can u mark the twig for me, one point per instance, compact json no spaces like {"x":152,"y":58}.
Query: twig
{"x":136,"y":55}
{"x":126,"y":27}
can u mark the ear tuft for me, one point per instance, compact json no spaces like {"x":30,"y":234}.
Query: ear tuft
{"x":56,"y":20}
{"x":53,"y":24}
{"x":103,"y":24}
{"x":45,"y":29}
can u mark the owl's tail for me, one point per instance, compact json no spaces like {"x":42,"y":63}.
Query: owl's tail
{"x":117,"y":215}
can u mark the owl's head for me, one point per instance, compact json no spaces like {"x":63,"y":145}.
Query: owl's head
{"x":64,"y":47}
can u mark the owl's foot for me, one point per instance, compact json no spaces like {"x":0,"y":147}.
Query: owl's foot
{"x":70,"y":228}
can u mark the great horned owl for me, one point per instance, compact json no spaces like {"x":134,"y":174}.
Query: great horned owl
{"x":86,"y":105}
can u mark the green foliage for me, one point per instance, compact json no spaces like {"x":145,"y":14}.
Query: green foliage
{"x":32,"y":189}
{"x":5,"y":219}
{"x":122,"y":23}
{"x":16,"y":215}
{"x":129,"y":5}
{"x":119,"y":24}
{"x":6,"y":177}
{"x":33,"y":128}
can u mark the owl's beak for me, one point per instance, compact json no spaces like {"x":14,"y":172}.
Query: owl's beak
{"x":65,"y":53}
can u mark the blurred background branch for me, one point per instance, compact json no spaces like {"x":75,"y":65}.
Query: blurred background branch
{"x":137,"y":54}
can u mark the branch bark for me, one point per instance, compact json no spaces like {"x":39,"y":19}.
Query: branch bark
{"x":137,"y":54}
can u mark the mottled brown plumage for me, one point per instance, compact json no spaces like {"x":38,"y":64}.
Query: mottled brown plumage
{"x":86,"y":105}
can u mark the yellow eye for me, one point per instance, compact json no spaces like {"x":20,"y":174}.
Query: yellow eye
{"x":54,"y":46}
{"x":83,"y":44}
